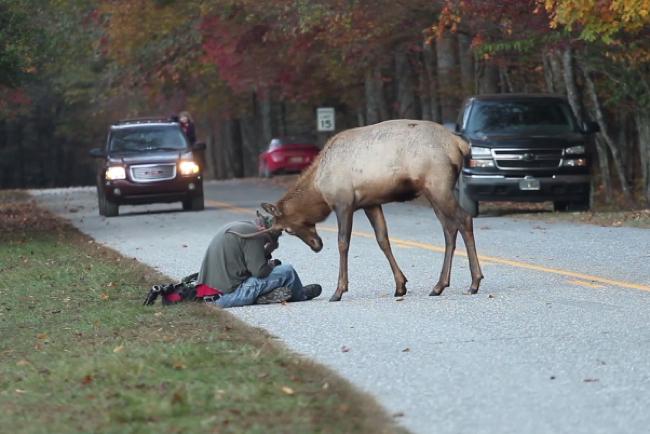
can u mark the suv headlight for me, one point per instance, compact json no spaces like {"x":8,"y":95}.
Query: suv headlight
{"x":480,"y":152}
{"x":188,"y":168}
{"x":575,"y":150}
{"x":115,"y":172}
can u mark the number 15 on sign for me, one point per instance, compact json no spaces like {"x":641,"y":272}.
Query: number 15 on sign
{"x":325,"y":119}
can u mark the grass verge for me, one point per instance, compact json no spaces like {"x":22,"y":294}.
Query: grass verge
{"x":80,"y":354}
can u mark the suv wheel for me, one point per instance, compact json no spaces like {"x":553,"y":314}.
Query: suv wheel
{"x":465,"y":202}
{"x":106,"y":207}
{"x":194,"y":204}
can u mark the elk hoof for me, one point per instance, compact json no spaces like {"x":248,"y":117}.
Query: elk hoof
{"x":471,"y":291}
{"x":400,"y":292}
{"x":336,"y":297}
{"x":437,"y":290}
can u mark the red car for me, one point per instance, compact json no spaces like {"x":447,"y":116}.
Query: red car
{"x":287,"y":155}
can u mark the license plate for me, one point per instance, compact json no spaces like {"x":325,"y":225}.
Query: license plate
{"x":529,"y":184}
{"x":296,"y":159}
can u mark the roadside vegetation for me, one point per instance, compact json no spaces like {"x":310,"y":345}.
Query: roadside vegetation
{"x":80,"y":353}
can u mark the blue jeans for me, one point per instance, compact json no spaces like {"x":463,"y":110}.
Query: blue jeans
{"x":248,"y":291}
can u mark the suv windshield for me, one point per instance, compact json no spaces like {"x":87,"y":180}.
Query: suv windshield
{"x":140,"y":138}
{"x":543,"y":116}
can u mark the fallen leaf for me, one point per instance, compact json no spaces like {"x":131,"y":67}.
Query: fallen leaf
{"x":326,"y":386}
{"x":87,"y":379}
{"x":490,"y":296}
{"x":184,"y":245}
{"x":287,"y":390}
{"x":399,"y":299}
{"x":406,"y":350}
{"x":179,"y":365}
{"x":398,"y":414}
{"x":157,"y":314}
{"x":590,"y":380}
{"x":118,"y":349}
{"x":41,"y":336}
{"x":345,"y":349}
{"x":104,"y":296}
{"x":110,"y":284}
{"x":20,"y":391}
{"x":23,"y":362}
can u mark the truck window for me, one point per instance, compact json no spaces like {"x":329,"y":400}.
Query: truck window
{"x":146,"y":138}
{"x":534,"y":116}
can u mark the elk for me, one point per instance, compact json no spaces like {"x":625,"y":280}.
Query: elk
{"x":366,"y":167}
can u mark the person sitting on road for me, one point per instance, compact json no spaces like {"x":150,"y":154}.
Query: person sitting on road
{"x":187,"y":125}
{"x":243,"y":269}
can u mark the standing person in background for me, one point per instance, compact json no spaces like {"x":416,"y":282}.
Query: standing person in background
{"x":187,"y":125}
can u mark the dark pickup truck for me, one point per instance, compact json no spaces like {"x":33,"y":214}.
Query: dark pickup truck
{"x":526,"y":148}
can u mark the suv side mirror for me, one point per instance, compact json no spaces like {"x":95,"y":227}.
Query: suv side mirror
{"x":198,"y":146}
{"x":97,"y":153}
{"x":590,"y":127}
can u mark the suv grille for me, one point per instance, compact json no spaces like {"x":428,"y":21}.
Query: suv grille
{"x":513,"y":159}
{"x":153,"y":172}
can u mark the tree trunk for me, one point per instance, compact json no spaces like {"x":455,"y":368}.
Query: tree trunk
{"x":642,"y":120}
{"x":466,"y":62}
{"x":613,"y":149}
{"x":603,"y":163}
{"x":406,"y":108}
{"x":548,"y":73}
{"x":572,"y":91}
{"x":376,"y":109}
{"x":489,"y":80}
{"x":429,"y":60}
{"x":446,"y":49}
{"x":504,"y":80}
{"x":556,"y":72}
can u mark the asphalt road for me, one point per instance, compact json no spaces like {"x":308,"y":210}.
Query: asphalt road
{"x":557,"y":340}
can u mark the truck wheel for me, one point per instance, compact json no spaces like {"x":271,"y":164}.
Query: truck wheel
{"x":194,"y":204}
{"x":467,"y":203}
{"x":560,"y":206}
{"x":100,"y":204}
{"x":582,"y":205}
{"x":111,"y":209}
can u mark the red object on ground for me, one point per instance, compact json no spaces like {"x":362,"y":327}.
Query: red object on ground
{"x":204,"y":290}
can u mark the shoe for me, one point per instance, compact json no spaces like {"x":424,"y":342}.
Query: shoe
{"x":312,"y":291}
{"x":277,"y":295}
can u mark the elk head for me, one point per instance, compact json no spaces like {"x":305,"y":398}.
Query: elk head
{"x":294,"y":225}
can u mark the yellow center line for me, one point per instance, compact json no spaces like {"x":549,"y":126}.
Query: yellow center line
{"x":583,"y":283}
{"x":585,"y":279}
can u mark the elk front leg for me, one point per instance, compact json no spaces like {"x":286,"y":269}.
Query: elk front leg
{"x":344,"y":217}
{"x":376,"y":216}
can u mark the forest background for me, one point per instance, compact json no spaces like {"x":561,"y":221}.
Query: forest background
{"x":249,"y":70}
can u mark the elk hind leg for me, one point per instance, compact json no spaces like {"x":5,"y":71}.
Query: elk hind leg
{"x":376,"y":216}
{"x":467,"y":232}
{"x":450,"y":230}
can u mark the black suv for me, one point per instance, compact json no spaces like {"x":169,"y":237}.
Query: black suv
{"x":526,"y":148}
{"x":148,"y":161}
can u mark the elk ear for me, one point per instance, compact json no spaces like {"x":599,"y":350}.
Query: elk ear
{"x":271,"y":209}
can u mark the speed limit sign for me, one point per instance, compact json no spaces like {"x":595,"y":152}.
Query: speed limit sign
{"x":325,"y":119}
